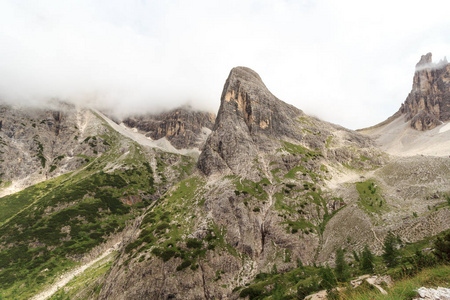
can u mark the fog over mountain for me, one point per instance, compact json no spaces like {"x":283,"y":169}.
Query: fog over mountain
{"x":139,"y":56}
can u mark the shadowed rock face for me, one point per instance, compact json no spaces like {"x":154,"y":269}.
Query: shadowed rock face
{"x":182,"y":126}
{"x":428,"y":103}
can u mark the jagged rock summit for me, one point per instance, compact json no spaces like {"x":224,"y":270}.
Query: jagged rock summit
{"x":184,"y":127}
{"x":428,"y":103}
{"x":277,"y":190}
{"x":421,"y":125}
{"x":252,"y":123}
{"x":249,"y":117}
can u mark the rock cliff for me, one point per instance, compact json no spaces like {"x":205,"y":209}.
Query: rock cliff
{"x":274,"y":189}
{"x":257,"y":202}
{"x":183,"y":127}
{"x":251,"y":122}
{"x":40,"y":143}
{"x":428,"y":103}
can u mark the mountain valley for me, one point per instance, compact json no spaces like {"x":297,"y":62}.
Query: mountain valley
{"x":189,"y":205}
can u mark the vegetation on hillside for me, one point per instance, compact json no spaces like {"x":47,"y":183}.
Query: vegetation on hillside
{"x":418,"y":265}
{"x":47,"y":228}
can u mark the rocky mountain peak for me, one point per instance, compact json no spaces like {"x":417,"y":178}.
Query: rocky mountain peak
{"x":428,"y":103}
{"x":184,"y":126}
{"x":425,"y":60}
{"x":250,"y":117}
{"x":246,"y":97}
{"x":253,"y":126}
{"x":245,"y":74}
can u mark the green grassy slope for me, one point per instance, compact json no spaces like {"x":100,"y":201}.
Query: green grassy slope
{"x":48,"y":227}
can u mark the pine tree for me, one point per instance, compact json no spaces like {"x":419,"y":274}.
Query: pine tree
{"x":328,"y":278}
{"x":306,"y":288}
{"x":367,"y":260}
{"x":442,"y":248}
{"x":341,"y":266}
{"x":274,"y":269}
{"x":299,"y":263}
{"x":355,"y":256}
{"x":390,"y":250}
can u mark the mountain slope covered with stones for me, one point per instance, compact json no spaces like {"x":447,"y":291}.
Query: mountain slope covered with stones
{"x":273,"y":186}
{"x":272,"y":190}
{"x":420,"y":126}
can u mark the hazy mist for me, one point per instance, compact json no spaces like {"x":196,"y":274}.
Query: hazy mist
{"x":347,"y":62}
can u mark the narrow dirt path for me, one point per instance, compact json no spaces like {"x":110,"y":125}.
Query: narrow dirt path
{"x":67,"y":277}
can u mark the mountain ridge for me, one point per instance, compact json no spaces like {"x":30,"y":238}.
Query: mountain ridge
{"x":184,"y":127}
{"x":271,"y":188}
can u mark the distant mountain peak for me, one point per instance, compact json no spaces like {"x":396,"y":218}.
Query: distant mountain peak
{"x":428,"y":103}
{"x":425,"y":60}
{"x":182,"y":126}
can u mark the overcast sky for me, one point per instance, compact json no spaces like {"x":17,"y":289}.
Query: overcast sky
{"x":347,"y":62}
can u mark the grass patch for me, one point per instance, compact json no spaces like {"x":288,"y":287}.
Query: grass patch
{"x":405,"y":288}
{"x":249,"y":188}
{"x":87,"y":285}
{"x":370,"y":196}
{"x":300,"y":150}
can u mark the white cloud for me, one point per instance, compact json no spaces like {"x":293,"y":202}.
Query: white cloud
{"x":348,"y":62}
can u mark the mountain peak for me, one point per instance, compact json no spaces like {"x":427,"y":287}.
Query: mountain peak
{"x":244,"y":73}
{"x":249,"y":116}
{"x":428,"y":103}
{"x":425,"y":60}
{"x":184,"y":126}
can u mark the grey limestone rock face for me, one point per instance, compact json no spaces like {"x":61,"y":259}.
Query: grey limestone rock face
{"x":264,"y":166}
{"x":428,"y":103}
{"x":250,"y":120}
{"x":40,"y":143}
{"x":181,"y":126}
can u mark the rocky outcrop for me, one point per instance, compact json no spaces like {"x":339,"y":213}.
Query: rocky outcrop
{"x":250,"y":120}
{"x":430,"y":293}
{"x":428,"y":103}
{"x":183,"y":127}
{"x":261,"y":177}
{"x":40,"y":143}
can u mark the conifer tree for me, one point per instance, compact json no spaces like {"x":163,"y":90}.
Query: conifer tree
{"x":367,"y":260}
{"x":328,"y":278}
{"x":341,"y":266}
{"x":442,"y":248}
{"x":390,"y":251}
